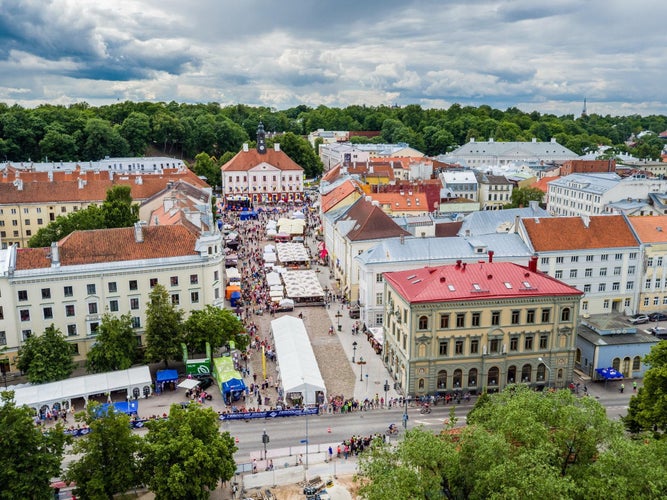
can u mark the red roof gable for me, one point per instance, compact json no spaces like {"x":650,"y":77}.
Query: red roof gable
{"x":245,"y":160}
{"x":479,"y":281}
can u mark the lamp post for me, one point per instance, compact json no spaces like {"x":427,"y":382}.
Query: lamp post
{"x":361,"y":363}
{"x":265,"y":440}
{"x":386,"y":390}
{"x":338,"y":317}
{"x":541,"y":360}
{"x":326,"y":294}
{"x":354,"y":350}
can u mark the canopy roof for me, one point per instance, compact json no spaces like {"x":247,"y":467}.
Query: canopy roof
{"x":291,"y":226}
{"x":232,"y":274}
{"x":228,"y":378}
{"x":81,"y":387}
{"x":609,"y":373}
{"x":166,"y":376}
{"x":301,"y":284}
{"x":299,"y":370}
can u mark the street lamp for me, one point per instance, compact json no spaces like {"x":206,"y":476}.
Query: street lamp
{"x":361,"y":363}
{"x":354,"y":350}
{"x":386,"y":389}
{"x":338,"y":317}
{"x":326,"y":294}
{"x":265,"y":440}
{"x":541,"y":360}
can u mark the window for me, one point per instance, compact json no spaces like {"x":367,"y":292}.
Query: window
{"x":559,"y":260}
{"x":152,"y":282}
{"x":559,"y":274}
{"x":112,"y":287}
{"x":658,"y":261}
{"x":26,"y":334}
{"x":442,"y":348}
{"x":494,"y":345}
{"x":616,"y":286}
{"x":658,"y":282}
{"x":528,"y":344}
{"x":530,"y":316}
{"x":423,"y":323}
{"x":515,"y":316}
{"x":136,"y":322}
{"x":602,"y":287}
{"x":587,"y":288}
{"x":605,"y":304}
{"x":474,"y":346}
{"x":631,"y":270}
{"x":565,"y":314}
{"x":90,"y":288}
{"x":23,"y":295}
{"x":656,"y":301}
{"x":544,"y":261}
{"x":216,"y":293}
{"x":514,"y":344}
{"x":604,"y":257}
{"x":544,"y":341}
{"x":2,"y":313}
{"x":603,"y":271}
{"x":633,"y":255}
{"x":48,"y":313}
{"x":71,"y":330}
{"x":584,"y":305}
{"x":194,"y":279}
{"x":629,"y":285}
{"x":460,"y":320}
{"x":133,"y":284}
{"x":113,"y":305}
{"x":67,"y":291}
{"x":495,"y":318}
{"x":588,"y":272}
{"x":647,"y":284}
{"x":175,"y":299}
{"x":69,"y":310}
{"x":25,"y":314}
{"x":134,"y":303}
{"x":573,"y":273}
{"x":40,"y":222}
{"x":618,"y":256}
{"x":92,"y":307}
{"x":458,"y":347}
{"x":546,"y":315}
{"x":444,"y":321}
{"x":475,"y":318}
{"x":617,"y":271}
{"x":173,"y":281}
{"x":46,"y":293}
{"x":636,"y":363}
{"x":589,"y":258}
{"x":574,"y":258}
{"x":378,"y":299}
{"x":194,"y":297}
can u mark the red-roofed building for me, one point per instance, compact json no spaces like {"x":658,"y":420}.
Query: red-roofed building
{"x":478,"y":327}
{"x":262,"y":175}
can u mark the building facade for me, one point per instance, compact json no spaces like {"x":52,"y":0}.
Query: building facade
{"x":478,"y":327}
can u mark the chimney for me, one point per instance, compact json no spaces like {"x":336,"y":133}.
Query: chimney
{"x":138,"y":232}
{"x":586,"y":220}
{"x":534,"y":139}
{"x":276,"y":146}
{"x":139,"y":180}
{"x":81,"y":183}
{"x":50,"y":175}
{"x":110,"y":175}
{"x":245,"y":147}
{"x":55,"y":254}
{"x":19,"y":184}
{"x":458,"y":263}
{"x":402,"y":239}
{"x":532,"y":264}
{"x":491,"y":252}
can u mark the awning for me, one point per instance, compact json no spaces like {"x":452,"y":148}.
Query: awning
{"x":609,"y":373}
{"x":189,"y":383}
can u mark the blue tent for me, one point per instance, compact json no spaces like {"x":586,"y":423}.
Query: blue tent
{"x":130,"y":407}
{"x":167,"y":376}
{"x":234,"y":298}
{"x":609,"y":373}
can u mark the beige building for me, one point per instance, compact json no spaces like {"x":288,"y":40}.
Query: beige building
{"x":652,"y":289}
{"x":478,"y":327}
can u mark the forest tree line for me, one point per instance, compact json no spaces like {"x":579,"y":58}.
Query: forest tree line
{"x":80,"y":132}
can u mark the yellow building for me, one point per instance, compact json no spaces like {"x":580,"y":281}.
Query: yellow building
{"x":478,"y":327}
{"x":651,"y":230}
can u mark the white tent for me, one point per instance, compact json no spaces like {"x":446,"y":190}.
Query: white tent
{"x":269,"y":257}
{"x":298,"y":367}
{"x":63,"y":391}
{"x":273,"y":279}
{"x":232,"y":274}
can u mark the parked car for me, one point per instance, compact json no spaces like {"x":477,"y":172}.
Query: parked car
{"x":659,"y":331}
{"x":658,"y":317}
{"x":205,"y":381}
{"x":638,"y":319}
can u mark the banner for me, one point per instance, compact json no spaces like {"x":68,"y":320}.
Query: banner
{"x":296,"y":412}
{"x":263,"y":363}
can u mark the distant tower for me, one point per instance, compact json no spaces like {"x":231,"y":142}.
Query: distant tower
{"x":261,"y":142}
{"x":583,"y":111}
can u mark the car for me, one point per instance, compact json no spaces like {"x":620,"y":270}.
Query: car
{"x":638,"y":319}
{"x":205,"y":381}
{"x":659,"y":331}
{"x":658,"y":316}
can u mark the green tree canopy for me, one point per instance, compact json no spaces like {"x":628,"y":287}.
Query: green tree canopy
{"x":114,"y":347}
{"x":30,"y":458}
{"x":164,"y":327}
{"x":299,"y":150}
{"x":118,"y":209}
{"x":648,"y":408}
{"x":215,"y":326}
{"x":108,"y":462}
{"x":47,"y":357}
{"x":521,"y":197}
{"x":186,"y":455}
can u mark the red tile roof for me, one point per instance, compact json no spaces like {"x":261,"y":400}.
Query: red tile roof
{"x":112,"y":245}
{"x":479,"y":281}
{"x":372,"y":223}
{"x":245,"y":160}
{"x":338,"y":194}
{"x":571,"y":233}
{"x":399,"y":203}
{"x":650,"y":228}
{"x":543,"y":183}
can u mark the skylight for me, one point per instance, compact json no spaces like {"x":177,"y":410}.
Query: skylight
{"x":411,"y":277}
{"x":476,"y":286}
{"x":451,"y":288}
{"x":527,"y":285}
{"x":508,"y":285}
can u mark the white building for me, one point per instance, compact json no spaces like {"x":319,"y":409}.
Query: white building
{"x":347,"y":153}
{"x":495,"y":191}
{"x":138,"y":164}
{"x":459,"y":184}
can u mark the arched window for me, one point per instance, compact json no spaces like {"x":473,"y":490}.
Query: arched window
{"x":626,"y":367}
{"x":472,"y":377}
{"x":492,"y":379}
{"x":511,"y":374}
{"x":423,"y":322}
{"x":616,"y":364}
{"x":526,"y":373}
{"x":636,"y":363}
{"x":442,"y":379}
{"x":577,"y":356}
{"x":458,"y":377}
{"x":421,"y":384}
{"x":541,"y":372}
{"x":560,"y":374}
{"x":565,"y":314}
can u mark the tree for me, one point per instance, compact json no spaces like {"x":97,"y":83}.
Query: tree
{"x":109,"y":455}
{"x":215,"y":326}
{"x":29,"y":457}
{"x":186,"y":455}
{"x":164,"y":327}
{"x":91,"y":217}
{"x":103,"y":140}
{"x":135,"y":129}
{"x":47,"y":357}
{"x":299,"y":150}
{"x":521,"y":197}
{"x":206,"y":166}
{"x":648,"y":408}
{"x":118,"y":209}
{"x":114,"y":347}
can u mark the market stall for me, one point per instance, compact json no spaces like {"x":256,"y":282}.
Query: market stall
{"x":303,"y":287}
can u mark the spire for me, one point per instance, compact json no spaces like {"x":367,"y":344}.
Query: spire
{"x":583,"y":111}
{"x":261,"y":142}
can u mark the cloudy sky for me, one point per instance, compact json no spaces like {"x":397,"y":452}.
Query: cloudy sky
{"x":544,"y":55}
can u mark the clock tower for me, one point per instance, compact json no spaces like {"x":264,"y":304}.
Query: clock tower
{"x":261,"y":142}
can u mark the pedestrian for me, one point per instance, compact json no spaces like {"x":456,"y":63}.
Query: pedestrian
{"x":622,"y":388}
{"x":254,"y":466}
{"x":634,"y":386}
{"x":330,"y":453}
